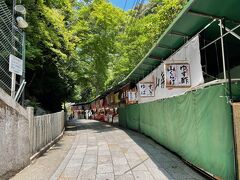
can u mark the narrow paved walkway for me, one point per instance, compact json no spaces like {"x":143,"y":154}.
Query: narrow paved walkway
{"x":100,"y":151}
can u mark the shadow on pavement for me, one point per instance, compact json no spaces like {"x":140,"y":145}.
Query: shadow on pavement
{"x":168,"y":163}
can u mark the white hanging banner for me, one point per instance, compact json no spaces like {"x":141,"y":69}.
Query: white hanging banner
{"x":187,"y":74}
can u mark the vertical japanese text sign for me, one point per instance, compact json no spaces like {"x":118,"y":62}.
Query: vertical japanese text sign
{"x":177,"y":75}
{"x":146,"y":89}
{"x":132,"y":97}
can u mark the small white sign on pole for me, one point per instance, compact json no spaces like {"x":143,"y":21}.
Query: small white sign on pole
{"x":15,"y":65}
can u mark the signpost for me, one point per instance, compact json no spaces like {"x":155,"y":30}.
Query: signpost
{"x":16,"y":67}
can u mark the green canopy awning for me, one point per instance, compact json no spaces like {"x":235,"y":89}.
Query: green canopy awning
{"x":196,"y":15}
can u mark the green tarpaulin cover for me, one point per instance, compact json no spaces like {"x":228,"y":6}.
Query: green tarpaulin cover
{"x":197,"y":126}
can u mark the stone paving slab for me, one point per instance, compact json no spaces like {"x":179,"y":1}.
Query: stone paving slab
{"x":45,"y":166}
{"x":104,"y":152}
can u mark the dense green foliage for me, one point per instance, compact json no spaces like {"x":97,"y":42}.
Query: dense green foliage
{"x":77,"y":49}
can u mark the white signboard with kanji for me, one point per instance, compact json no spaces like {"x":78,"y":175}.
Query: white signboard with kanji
{"x":15,"y":65}
{"x":146,"y":89}
{"x":132,"y":96}
{"x":177,"y":75}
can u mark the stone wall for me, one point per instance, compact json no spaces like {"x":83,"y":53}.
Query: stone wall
{"x":14,"y":137}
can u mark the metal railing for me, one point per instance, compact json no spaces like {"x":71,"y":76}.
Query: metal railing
{"x":11,"y":42}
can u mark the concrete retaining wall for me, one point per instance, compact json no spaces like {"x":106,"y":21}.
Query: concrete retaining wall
{"x":14,"y":137}
{"x":23,"y":136}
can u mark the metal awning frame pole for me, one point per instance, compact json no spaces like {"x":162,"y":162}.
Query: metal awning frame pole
{"x":200,"y":14}
{"x":231,"y":30}
{"x":232,"y":33}
{"x":223,"y":53}
{"x":197,"y":34}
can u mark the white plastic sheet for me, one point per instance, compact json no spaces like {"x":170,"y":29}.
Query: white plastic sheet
{"x":189,"y":53}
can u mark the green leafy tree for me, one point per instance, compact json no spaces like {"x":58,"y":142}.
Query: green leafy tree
{"x":140,"y":34}
{"x":51,"y":44}
{"x":78,"y":49}
{"x":104,"y":23}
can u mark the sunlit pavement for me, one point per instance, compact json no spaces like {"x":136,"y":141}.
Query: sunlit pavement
{"x":103,"y":152}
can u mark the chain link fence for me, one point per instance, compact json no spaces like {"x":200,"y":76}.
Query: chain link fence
{"x":11,"y":39}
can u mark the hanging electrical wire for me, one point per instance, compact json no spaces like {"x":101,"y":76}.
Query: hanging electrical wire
{"x":134,"y":4}
{"x":139,"y":7}
{"x":137,"y":4}
{"x":135,"y":7}
{"x":130,"y":19}
{"x":125,"y":5}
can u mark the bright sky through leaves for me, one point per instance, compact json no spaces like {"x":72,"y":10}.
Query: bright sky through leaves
{"x":121,"y":3}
